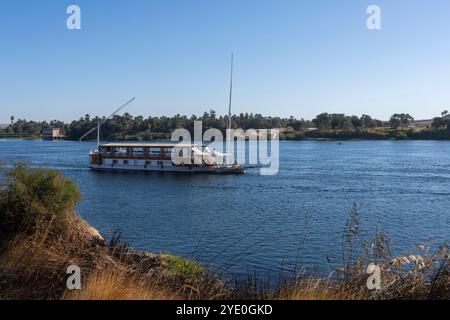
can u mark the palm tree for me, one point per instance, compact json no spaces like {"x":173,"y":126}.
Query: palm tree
{"x":12,"y":120}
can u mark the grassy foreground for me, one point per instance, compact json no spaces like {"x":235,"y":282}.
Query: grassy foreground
{"x":41,"y":235}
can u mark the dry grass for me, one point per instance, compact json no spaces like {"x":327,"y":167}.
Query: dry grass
{"x":34,"y":267}
{"x":34,"y":257}
{"x":41,"y":235}
{"x":116,"y":284}
{"x":311,"y":289}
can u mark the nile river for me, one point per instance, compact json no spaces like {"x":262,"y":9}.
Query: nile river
{"x":257,"y":224}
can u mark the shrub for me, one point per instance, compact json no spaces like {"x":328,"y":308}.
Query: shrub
{"x":180,"y":266}
{"x":32,"y":199}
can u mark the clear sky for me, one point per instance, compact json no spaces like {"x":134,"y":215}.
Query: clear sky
{"x":292,"y":57}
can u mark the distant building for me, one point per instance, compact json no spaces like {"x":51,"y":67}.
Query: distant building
{"x":421,"y":123}
{"x":4,"y":126}
{"x":52,"y":134}
{"x":426,"y":123}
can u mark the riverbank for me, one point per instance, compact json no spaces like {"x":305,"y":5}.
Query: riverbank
{"x":41,"y":236}
{"x":383,"y":133}
{"x":380,"y":134}
{"x":11,"y":135}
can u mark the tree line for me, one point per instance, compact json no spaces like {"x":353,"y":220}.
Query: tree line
{"x":128,"y":127}
{"x":340,"y":121}
{"x":442,"y":122}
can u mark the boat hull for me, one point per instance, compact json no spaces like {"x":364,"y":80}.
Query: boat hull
{"x":172,"y":169}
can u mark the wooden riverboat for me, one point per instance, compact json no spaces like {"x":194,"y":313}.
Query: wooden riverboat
{"x":158,"y":158}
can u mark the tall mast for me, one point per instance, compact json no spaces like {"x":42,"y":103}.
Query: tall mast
{"x":228,"y":132}
{"x":231,"y":93}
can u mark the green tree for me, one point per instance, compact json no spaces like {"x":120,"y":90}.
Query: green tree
{"x":438,"y":123}
{"x":367,"y":121}
{"x":337,"y":120}
{"x":356,"y":122}
{"x":441,"y":122}
{"x":322,"y":121}
{"x":347,"y":125}
{"x":400,"y":120}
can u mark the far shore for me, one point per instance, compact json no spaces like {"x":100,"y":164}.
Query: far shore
{"x":325,"y":126}
{"x":290,"y":135}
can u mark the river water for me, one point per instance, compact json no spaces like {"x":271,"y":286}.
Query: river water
{"x":257,"y":224}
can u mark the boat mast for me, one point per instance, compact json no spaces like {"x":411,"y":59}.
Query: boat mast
{"x":231,"y":93}
{"x":228,"y":131}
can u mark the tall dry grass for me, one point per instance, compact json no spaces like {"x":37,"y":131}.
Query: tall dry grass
{"x":117,"y":284}
{"x":41,"y":235}
{"x":423,"y":273}
{"x":311,"y":289}
{"x":34,"y":266}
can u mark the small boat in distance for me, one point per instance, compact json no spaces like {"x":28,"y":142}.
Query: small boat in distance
{"x":152,"y":157}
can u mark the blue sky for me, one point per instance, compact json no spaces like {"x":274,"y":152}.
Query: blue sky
{"x":292,"y":57}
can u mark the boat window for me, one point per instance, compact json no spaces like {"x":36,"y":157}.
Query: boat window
{"x":155,"y":152}
{"x":125,"y":161}
{"x":138,"y":152}
{"x":120,"y":151}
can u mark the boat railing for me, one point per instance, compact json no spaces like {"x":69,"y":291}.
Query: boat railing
{"x":207,"y":155}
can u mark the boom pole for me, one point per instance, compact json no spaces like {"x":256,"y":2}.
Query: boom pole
{"x":99,"y":123}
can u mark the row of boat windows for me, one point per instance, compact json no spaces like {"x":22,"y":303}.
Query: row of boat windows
{"x":147,"y":163}
{"x":106,"y":154}
{"x":135,"y":151}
